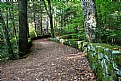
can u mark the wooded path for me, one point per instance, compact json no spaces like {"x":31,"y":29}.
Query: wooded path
{"x":49,"y":61}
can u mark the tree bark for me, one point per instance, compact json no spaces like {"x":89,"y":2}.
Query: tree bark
{"x":90,"y":20}
{"x":34,"y":18}
{"x":23,"y":27}
{"x":50,"y":16}
{"x":41,"y":28}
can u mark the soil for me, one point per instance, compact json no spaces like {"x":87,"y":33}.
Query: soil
{"x":48,"y":61}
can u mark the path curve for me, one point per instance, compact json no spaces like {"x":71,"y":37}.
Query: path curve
{"x":49,"y":61}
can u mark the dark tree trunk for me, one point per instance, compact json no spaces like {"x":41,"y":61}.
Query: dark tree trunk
{"x":34,"y":18}
{"x":23,"y":27}
{"x":35,"y":22}
{"x":50,"y":16}
{"x":41,"y":21}
{"x":51,"y":26}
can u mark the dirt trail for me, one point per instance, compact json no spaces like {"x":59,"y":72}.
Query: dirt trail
{"x":48,"y":61}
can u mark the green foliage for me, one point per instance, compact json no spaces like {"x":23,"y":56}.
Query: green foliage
{"x":9,"y":12}
{"x":71,"y":16}
{"x":68,"y":21}
{"x":32,"y":32}
{"x":74,"y":36}
{"x":109,"y":20}
{"x":5,"y":5}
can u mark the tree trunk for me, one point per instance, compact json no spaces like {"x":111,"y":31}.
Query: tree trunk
{"x":50,"y":16}
{"x":41,"y":28}
{"x":51,"y":26}
{"x":61,"y":22}
{"x":90,"y":19}
{"x":23,"y":27}
{"x":47,"y":23}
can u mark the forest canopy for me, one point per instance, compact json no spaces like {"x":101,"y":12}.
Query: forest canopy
{"x":93,"y":21}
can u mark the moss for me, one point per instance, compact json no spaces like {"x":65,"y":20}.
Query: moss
{"x":71,"y":43}
{"x":67,"y":43}
{"x":74,"y":39}
{"x":99,"y":72}
{"x":65,"y":37}
{"x":100,"y":50}
{"x":104,"y":58}
{"x":80,"y":43}
{"x":70,"y":36}
{"x":117,"y":60}
{"x":114,"y":77}
{"x":107,"y":78}
{"x":107,"y":46}
{"x":110,"y":69}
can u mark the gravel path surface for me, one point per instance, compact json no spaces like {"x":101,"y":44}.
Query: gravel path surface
{"x":48,"y":61}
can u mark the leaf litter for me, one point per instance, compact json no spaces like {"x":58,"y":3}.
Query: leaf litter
{"x":49,"y":61}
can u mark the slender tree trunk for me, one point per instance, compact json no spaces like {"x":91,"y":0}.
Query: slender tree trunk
{"x":51,"y":19}
{"x":50,"y":16}
{"x":90,"y":20}
{"x":61,"y":22}
{"x":34,"y":19}
{"x":13,"y":22}
{"x":47,"y":25}
{"x":35,"y":24}
{"x":51,"y":26}
{"x":12,"y":16}
{"x":41,"y":19}
{"x":23,"y":27}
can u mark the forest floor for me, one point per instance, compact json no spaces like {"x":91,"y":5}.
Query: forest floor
{"x":48,"y":61}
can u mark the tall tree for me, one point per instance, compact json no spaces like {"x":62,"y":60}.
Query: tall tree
{"x":41,"y":11}
{"x":23,"y":27}
{"x":51,"y":19}
{"x":50,"y":16}
{"x":90,"y":20}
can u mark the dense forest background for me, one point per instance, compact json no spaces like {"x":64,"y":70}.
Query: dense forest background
{"x":93,"y":21}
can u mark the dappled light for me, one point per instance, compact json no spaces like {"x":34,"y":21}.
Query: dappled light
{"x":60,"y":40}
